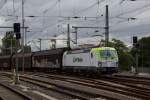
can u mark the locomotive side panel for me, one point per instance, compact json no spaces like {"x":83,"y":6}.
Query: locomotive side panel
{"x":80,"y":59}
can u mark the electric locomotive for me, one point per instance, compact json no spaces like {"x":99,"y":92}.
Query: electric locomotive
{"x":99,"y":60}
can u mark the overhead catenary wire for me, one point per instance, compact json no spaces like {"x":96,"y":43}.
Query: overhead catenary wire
{"x":134,"y":10}
{"x":46,"y":10}
{"x":126,"y":13}
{"x":89,"y":7}
{"x":129,"y":12}
{"x":2,"y":3}
{"x":14,"y":7}
{"x":59,"y":0}
{"x":59,"y":7}
{"x":58,"y":16}
{"x":85,"y":8}
{"x":51,"y":7}
{"x":122,"y":1}
{"x":64,"y":19}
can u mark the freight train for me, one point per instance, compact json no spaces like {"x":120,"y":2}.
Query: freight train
{"x":99,"y":60}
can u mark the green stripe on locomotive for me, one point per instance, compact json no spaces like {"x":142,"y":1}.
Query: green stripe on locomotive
{"x":100,"y":54}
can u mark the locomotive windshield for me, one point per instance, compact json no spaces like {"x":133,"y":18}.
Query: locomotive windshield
{"x":108,"y":53}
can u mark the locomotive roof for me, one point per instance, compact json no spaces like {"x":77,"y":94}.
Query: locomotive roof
{"x":103,"y":48}
{"x":84,"y":50}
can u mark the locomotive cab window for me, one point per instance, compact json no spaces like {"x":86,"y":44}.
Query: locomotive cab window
{"x":108,"y":53}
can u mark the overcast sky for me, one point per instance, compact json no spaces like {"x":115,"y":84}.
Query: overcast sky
{"x":52,"y":16}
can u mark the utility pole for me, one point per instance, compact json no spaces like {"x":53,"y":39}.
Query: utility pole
{"x":11,"y":46}
{"x":23,"y":35}
{"x":107,"y":27}
{"x":16,"y":69}
{"x":136,"y":58}
{"x":68,"y":36}
{"x":40,"y":40}
{"x":40,"y":44}
{"x":76,"y":35}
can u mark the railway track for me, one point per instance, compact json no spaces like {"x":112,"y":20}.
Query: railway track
{"x":10,"y":93}
{"x":76,"y":87}
{"x":144,"y":80}
{"x":122,"y":90}
{"x":99,"y":84}
{"x":131,"y":90}
{"x":74,"y":93}
{"x":135,"y":83}
{"x":128,"y":90}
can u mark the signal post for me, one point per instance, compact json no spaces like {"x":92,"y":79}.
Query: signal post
{"x":16,"y":27}
{"x":136,"y":46}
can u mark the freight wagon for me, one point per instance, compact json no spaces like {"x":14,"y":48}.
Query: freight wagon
{"x":5,"y":62}
{"x":27,"y":61}
{"x":48,"y":60}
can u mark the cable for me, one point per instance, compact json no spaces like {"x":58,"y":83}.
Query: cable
{"x":98,"y":7}
{"x":128,"y":12}
{"x":132,"y":11}
{"x":59,"y":8}
{"x":3,"y":3}
{"x":85,"y":9}
{"x":122,"y":1}
{"x":14,"y":7}
{"x":51,"y":7}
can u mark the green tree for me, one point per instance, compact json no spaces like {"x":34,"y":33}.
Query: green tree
{"x":125,"y":58}
{"x":10,"y":44}
{"x":143,"y":52}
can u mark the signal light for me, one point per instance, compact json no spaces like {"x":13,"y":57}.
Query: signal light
{"x":16,"y":27}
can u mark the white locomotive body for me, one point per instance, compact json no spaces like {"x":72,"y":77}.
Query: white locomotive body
{"x":101,"y":60}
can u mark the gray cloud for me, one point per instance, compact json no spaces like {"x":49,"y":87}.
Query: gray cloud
{"x":51,"y":17}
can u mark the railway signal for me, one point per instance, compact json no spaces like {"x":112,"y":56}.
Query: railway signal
{"x":135,"y":39}
{"x":136,"y":46}
{"x":16,"y":27}
{"x":135,"y":42}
